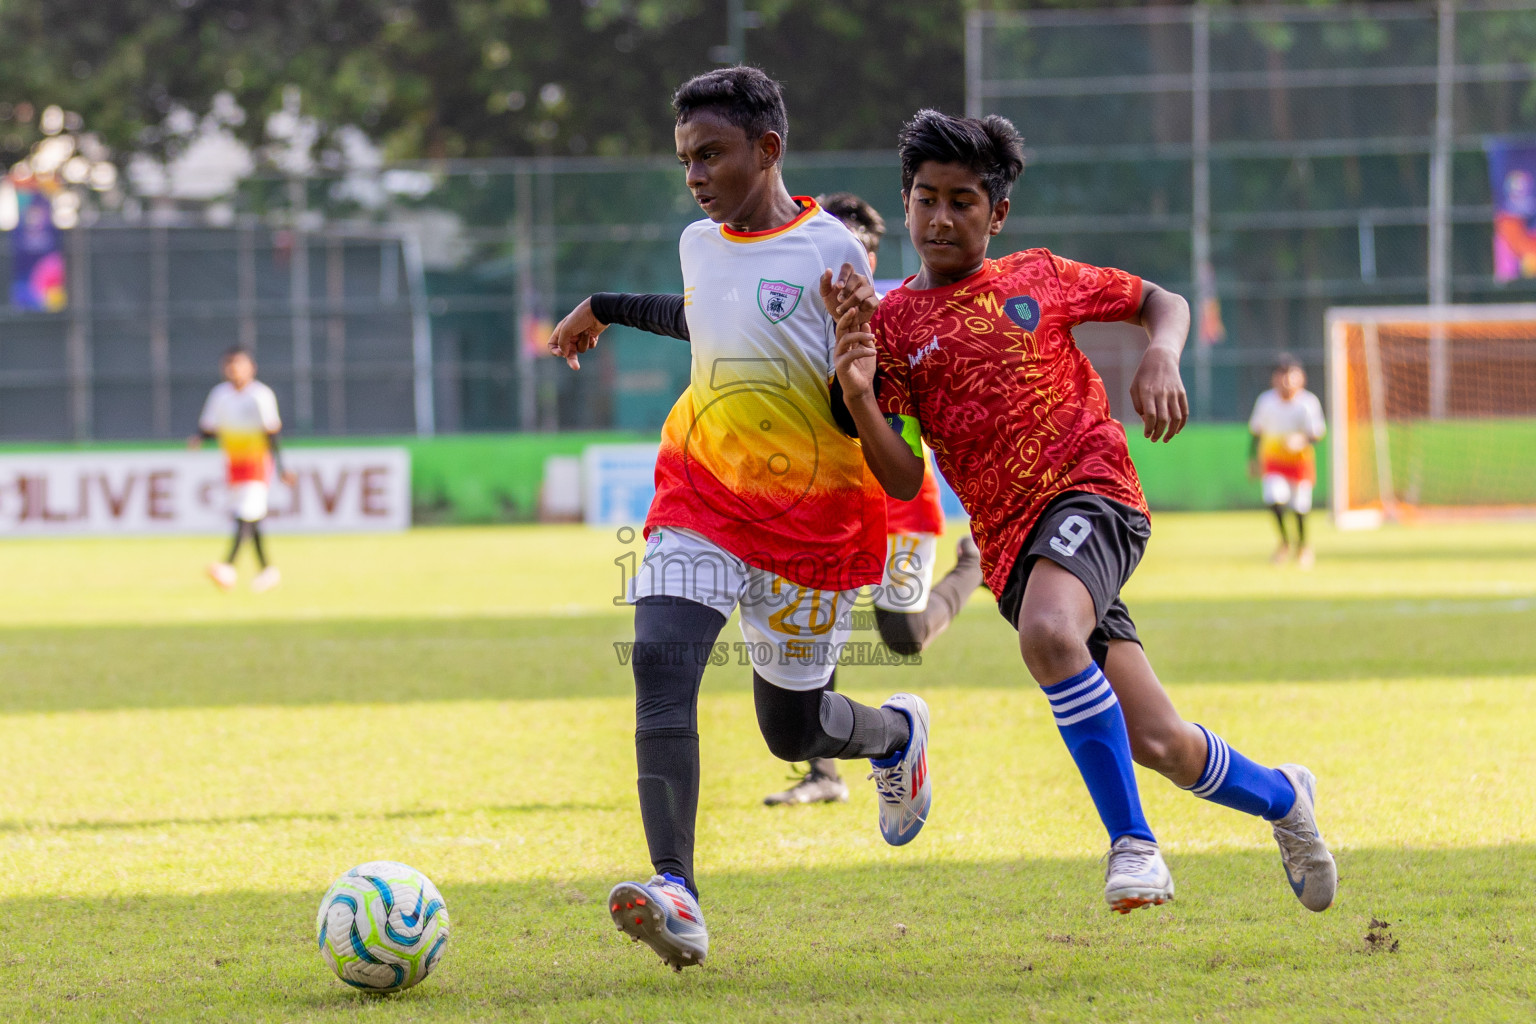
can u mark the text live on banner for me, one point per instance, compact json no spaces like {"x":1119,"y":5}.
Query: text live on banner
{"x":338,"y":490}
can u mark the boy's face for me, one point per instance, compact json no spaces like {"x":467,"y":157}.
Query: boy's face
{"x":1289,"y":382}
{"x":728,"y":174}
{"x":951,"y":219}
{"x":239,"y":370}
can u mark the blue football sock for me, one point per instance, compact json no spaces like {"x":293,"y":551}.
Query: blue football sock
{"x":1093,"y":728}
{"x":1230,"y":779}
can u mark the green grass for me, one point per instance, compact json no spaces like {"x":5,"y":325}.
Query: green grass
{"x":186,"y":771}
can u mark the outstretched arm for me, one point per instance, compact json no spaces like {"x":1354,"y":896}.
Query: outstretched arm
{"x":288,"y":476}
{"x":889,"y":449}
{"x":1157,"y":392}
{"x":578,"y":332}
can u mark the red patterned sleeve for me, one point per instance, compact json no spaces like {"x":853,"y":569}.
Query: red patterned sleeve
{"x":893,"y":390}
{"x":1090,"y":293}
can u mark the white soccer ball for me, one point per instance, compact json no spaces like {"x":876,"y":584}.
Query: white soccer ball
{"x":382,"y":926}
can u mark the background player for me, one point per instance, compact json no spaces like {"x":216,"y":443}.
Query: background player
{"x":762,"y":502}
{"x":242,"y":414}
{"x":909,"y":610}
{"x":1287,"y":421}
{"x":979,"y":355}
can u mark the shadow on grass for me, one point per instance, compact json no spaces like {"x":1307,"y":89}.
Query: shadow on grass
{"x":1418,"y":553}
{"x":62,"y":669}
{"x":989,"y":941}
{"x":13,"y":825}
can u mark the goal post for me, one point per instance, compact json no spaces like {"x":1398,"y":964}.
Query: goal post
{"x":1432,"y":412}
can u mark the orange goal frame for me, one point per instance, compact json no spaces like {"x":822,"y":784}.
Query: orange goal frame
{"x":1353,"y":403}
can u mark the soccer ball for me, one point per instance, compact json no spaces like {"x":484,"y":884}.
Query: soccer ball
{"x":382,"y":926}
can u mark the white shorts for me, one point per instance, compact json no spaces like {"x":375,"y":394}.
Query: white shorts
{"x":908,"y":572}
{"x":794,"y":635}
{"x":1295,"y":495}
{"x":248,"y":501}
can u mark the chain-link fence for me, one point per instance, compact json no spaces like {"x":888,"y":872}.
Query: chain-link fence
{"x":1267,"y":162}
{"x":331,"y":319}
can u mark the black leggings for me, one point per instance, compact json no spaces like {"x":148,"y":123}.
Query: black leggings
{"x":673,"y":642}
{"x":244,"y":528}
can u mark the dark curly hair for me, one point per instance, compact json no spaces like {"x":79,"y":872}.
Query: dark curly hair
{"x":857,"y":216}
{"x":744,"y":96}
{"x":990,"y":146}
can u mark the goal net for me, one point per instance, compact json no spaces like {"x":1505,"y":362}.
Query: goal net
{"x":1432,"y":412}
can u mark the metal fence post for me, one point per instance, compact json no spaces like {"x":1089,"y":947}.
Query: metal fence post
{"x":78,"y":354}
{"x":159,"y":331}
{"x":973,"y":40}
{"x":421,"y":335}
{"x":1200,"y":213}
{"x":522,"y":240}
{"x":1440,"y":206}
{"x":335,"y":336}
{"x":245,"y":285}
{"x":298,"y":298}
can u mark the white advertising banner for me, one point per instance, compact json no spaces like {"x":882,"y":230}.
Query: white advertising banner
{"x":338,"y":490}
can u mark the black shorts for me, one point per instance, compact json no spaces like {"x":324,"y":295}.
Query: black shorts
{"x":1095,"y":539}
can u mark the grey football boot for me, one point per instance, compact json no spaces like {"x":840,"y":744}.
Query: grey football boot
{"x":1309,"y":867}
{"x":1136,"y":876}
{"x":820,"y":785}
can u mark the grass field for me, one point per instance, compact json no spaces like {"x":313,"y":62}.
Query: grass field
{"x":186,"y":771}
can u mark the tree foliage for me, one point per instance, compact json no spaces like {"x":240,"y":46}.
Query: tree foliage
{"x":433,"y":78}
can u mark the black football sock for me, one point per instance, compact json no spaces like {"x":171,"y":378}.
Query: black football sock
{"x":1301,"y":530}
{"x":908,"y":633}
{"x":668,"y":761}
{"x":871,"y":732}
{"x":826,"y":766}
{"x":261,"y":555}
{"x":1279,"y":511}
{"x":673,"y":640}
{"x":949,"y":595}
{"x":803,"y":724}
{"x":234,"y":549}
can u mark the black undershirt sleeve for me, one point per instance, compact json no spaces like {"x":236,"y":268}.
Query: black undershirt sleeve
{"x":656,"y":314}
{"x":663,"y":314}
{"x":277,"y":456}
{"x":840,"y":413}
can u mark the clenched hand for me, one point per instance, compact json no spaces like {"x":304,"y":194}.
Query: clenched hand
{"x":575,"y":334}
{"x":1157,"y":394}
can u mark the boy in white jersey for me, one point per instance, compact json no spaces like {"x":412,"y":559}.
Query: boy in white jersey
{"x":761,"y":502}
{"x":241,"y":413}
{"x":1287,"y":421}
{"x":909,"y":610}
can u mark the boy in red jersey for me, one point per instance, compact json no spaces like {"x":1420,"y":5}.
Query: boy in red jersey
{"x":762,"y":503}
{"x":977,"y":355}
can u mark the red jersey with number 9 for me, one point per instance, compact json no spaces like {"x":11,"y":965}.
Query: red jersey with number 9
{"x":1012,"y":408}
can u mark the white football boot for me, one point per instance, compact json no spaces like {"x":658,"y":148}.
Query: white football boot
{"x":1136,"y":876}
{"x":906,"y":792}
{"x":1309,"y":867}
{"x":266,"y":579}
{"x":223,"y":575}
{"x":664,"y":915}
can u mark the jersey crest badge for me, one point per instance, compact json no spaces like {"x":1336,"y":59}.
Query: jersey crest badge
{"x":1024,"y":311}
{"x":777,"y":299}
